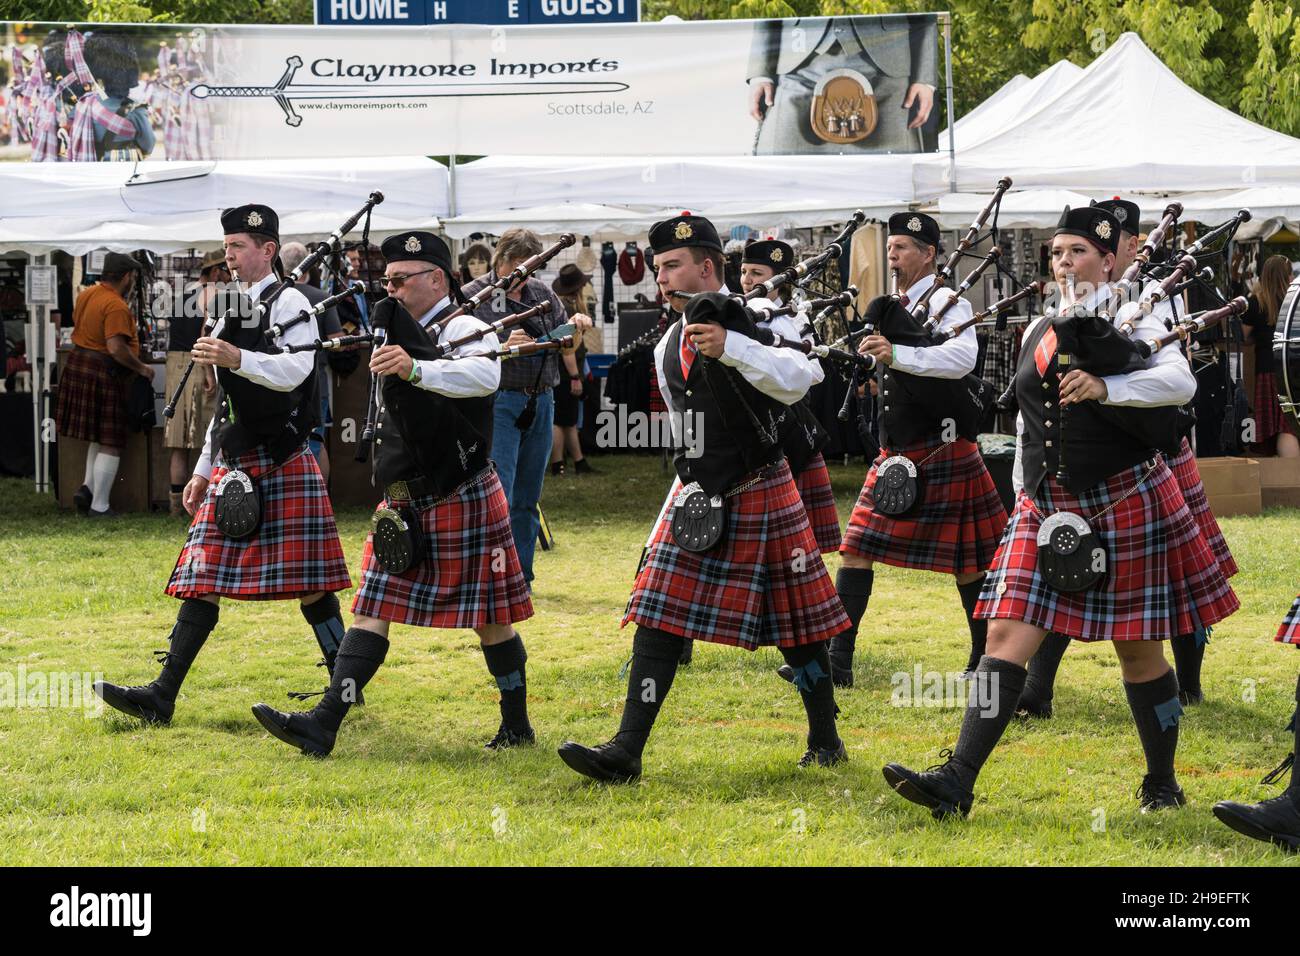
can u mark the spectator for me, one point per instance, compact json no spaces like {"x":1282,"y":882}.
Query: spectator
{"x":571,"y":286}
{"x":186,"y":430}
{"x":292,"y":256}
{"x":1257,"y":327}
{"x":92,"y":396}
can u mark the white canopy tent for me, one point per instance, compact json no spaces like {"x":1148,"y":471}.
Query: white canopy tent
{"x":1098,"y":135}
{"x":166,"y":207}
{"x":1011,"y":101}
{"x":553,"y":194}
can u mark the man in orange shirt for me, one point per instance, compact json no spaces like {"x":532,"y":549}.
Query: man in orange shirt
{"x":92,"y":394}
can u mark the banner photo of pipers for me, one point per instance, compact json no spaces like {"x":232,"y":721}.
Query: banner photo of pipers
{"x":111,"y":92}
{"x":104,"y":93}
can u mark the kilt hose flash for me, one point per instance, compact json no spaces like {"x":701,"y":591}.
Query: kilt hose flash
{"x":953,"y":529}
{"x":295,"y":550}
{"x":1162,"y":580}
{"x":470,"y":576}
{"x":764,"y":584}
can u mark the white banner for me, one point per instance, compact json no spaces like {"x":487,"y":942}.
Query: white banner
{"x":726,"y":88}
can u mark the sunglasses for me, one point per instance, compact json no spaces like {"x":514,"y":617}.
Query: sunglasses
{"x":396,"y":281}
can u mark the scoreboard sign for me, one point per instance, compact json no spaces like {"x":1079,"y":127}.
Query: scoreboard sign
{"x":505,"y":12}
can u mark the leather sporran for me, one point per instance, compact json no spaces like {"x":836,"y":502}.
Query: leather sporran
{"x":698,"y":520}
{"x":1070,"y":555}
{"x":843,"y":107}
{"x":238,"y":505}
{"x":898,"y":486}
{"x":398,"y":539}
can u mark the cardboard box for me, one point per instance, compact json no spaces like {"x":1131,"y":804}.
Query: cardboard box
{"x":1232,"y":485}
{"x":1279,"y":482}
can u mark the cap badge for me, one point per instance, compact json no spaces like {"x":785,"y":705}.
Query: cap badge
{"x":1102,"y":229}
{"x":1121,"y":214}
{"x":254,"y":219}
{"x":412,"y":244}
{"x":777,"y":255}
{"x":914,"y":224}
{"x":683,"y":231}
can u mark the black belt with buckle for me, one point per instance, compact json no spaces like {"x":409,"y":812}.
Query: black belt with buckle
{"x":409,"y":490}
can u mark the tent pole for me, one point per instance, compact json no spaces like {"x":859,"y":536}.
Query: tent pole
{"x":947,"y":69}
{"x":451,"y":198}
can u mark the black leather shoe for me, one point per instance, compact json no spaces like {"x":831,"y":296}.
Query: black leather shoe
{"x":1154,"y":795}
{"x":1276,"y":820}
{"x":824,"y":756}
{"x":840,"y":678}
{"x":298,"y":730}
{"x":608,"y":762}
{"x":1030,"y":708}
{"x":507,"y":738}
{"x":935,"y":787}
{"x":83,"y":499}
{"x":143,"y":702}
{"x":688,"y":651}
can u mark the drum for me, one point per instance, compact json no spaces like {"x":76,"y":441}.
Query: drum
{"x":1286,"y":352}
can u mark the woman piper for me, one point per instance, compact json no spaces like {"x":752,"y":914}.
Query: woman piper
{"x":1104,"y":549}
{"x":762,"y":260}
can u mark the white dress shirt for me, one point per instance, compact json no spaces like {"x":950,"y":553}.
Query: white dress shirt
{"x":280,"y":373}
{"x":951,"y":359}
{"x":473,"y":371}
{"x":786,"y":327}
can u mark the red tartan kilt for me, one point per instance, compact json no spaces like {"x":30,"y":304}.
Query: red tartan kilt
{"x":92,"y":400}
{"x":954,"y":528}
{"x":814,"y":484}
{"x":1289,"y":632}
{"x":1198,"y":503}
{"x":1162,"y":579}
{"x":470,"y":576}
{"x":764,"y":584}
{"x":1267,"y":407}
{"x":295,"y":550}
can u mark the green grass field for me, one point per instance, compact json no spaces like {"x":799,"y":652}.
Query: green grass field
{"x":409,"y":782}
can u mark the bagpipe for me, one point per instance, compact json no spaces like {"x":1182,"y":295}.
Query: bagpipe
{"x":944,"y":276}
{"x":502,"y":284}
{"x":263,"y":307}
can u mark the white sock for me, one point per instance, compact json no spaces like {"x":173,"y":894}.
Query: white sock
{"x":91,"y":451}
{"x":105,"y":472}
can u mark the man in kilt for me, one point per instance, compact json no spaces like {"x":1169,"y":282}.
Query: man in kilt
{"x":1276,"y":820}
{"x":1189,"y":649}
{"x":751,"y":575}
{"x":431,"y":454}
{"x":266,"y":409}
{"x":803,"y":435}
{"x":1147,"y":573}
{"x":92,"y":397}
{"x":954,"y":527}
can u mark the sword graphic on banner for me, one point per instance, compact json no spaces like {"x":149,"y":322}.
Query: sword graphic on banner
{"x":284,"y":94}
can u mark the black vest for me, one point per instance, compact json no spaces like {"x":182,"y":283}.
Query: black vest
{"x":421,"y":434}
{"x":1090,"y":442}
{"x":712,"y":405}
{"x":250,"y":415}
{"x":801,"y":434}
{"x":914,"y":408}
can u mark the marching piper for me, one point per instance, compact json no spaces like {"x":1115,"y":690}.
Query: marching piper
{"x":263,"y":527}
{"x":732,"y":558}
{"x":1188,"y":649}
{"x":803,"y":435}
{"x":954,"y":526}
{"x":1276,"y":820}
{"x":440,"y":553}
{"x":1101,"y":545}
